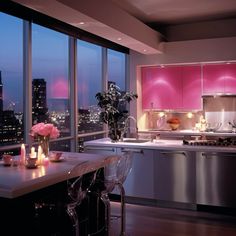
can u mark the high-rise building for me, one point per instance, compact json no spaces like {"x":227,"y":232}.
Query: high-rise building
{"x":1,"y":97}
{"x":39,"y":101}
{"x":11,"y":131}
{"x":10,"y":128}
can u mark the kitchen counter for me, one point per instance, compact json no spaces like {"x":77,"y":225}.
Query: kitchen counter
{"x":159,"y":144}
{"x":16,"y":181}
{"x":176,"y":174}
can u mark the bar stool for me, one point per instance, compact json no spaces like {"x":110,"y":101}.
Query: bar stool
{"x":115,"y":174}
{"x":78,"y":189}
{"x":63,"y":211}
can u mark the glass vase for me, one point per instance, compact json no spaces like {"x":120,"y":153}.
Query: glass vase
{"x":114,"y":132}
{"x":44,"y":143}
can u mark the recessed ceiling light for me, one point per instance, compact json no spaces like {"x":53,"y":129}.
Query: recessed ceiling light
{"x":119,"y":39}
{"x":81,"y":23}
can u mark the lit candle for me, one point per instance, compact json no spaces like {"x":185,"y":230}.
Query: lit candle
{"x":22,"y":154}
{"x":40,"y":152}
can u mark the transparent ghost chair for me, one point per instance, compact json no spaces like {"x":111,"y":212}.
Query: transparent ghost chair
{"x":115,"y":174}
{"x":78,"y":189}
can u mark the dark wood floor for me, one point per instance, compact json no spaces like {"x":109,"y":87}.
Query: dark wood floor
{"x":156,"y":221}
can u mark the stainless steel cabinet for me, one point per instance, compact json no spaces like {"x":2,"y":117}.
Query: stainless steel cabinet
{"x":175,"y":176}
{"x":216,"y":179}
{"x":139,"y":182}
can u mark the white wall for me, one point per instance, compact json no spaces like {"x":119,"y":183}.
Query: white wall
{"x":183,"y":52}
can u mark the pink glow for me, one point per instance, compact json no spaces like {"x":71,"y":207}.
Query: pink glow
{"x":59,"y":89}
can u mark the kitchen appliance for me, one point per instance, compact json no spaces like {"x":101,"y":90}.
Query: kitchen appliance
{"x":220,"y":142}
{"x":216,"y":179}
{"x":175,"y":177}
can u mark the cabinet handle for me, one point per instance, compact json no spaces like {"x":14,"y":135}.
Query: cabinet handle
{"x":215,"y":154}
{"x":132,"y":150}
{"x":174,"y":153}
{"x":100,"y":149}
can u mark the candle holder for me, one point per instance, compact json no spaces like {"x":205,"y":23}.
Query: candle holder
{"x":31,"y":162}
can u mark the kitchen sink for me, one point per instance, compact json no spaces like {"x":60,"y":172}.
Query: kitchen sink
{"x":135,"y":140}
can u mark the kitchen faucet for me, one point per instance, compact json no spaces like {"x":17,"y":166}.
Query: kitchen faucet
{"x":126,"y":127}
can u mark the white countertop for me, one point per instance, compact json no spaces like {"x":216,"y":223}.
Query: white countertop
{"x":159,"y":144}
{"x":16,"y":181}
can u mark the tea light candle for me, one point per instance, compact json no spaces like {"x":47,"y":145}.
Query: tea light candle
{"x":33,"y":153}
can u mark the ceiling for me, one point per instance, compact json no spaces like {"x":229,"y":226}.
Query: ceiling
{"x":137,"y":24}
{"x":178,"y":11}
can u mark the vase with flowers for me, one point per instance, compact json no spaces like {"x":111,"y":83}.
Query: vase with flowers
{"x":43,"y":133}
{"x":113,"y":104}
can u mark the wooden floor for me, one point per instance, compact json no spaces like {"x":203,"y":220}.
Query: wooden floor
{"x":156,"y":221}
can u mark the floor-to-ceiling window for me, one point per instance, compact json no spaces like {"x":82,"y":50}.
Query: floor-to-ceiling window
{"x":116,"y":68}
{"x":11,"y":81}
{"x":51,"y":78}
{"x":89,"y":81}
{"x":50,"y":85}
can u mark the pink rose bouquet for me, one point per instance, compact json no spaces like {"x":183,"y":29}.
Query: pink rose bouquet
{"x":45,"y":130}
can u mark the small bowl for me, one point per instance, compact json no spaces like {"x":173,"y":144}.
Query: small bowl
{"x":7,"y":159}
{"x":212,"y":127}
{"x":55,"y":156}
{"x":173,"y":126}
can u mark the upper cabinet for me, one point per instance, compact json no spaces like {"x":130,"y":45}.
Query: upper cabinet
{"x":171,"y":87}
{"x":192,"y":87}
{"x":219,"y":78}
{"x":161,"y":87}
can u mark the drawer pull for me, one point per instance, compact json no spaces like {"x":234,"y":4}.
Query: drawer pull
{"x":174,"y":153}
{"x":100,"y":149}
{"x":132,"y":150}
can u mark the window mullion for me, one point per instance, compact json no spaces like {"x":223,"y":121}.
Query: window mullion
{"x":73,"y":92}
{"x":27,"y":79}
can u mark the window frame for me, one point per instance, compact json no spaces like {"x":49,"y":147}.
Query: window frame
{"x":30,"y":16}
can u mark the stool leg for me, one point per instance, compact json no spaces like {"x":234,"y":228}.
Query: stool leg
{"x":123,"y":209}
{"x":105,"y":199}
{"x":74,"y":218}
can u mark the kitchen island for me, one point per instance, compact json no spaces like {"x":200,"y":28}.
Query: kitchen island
{"x":169,"y":172}
{"x":21,"y":188}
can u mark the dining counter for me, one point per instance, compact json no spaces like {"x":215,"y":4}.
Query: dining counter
{"x":16,"y":181}
{"x":22,"y":189}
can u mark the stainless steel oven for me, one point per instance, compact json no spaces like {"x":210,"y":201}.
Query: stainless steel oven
{"x":216,"y":178}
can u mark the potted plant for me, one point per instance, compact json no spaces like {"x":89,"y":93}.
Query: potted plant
{"x":114,"y":113}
